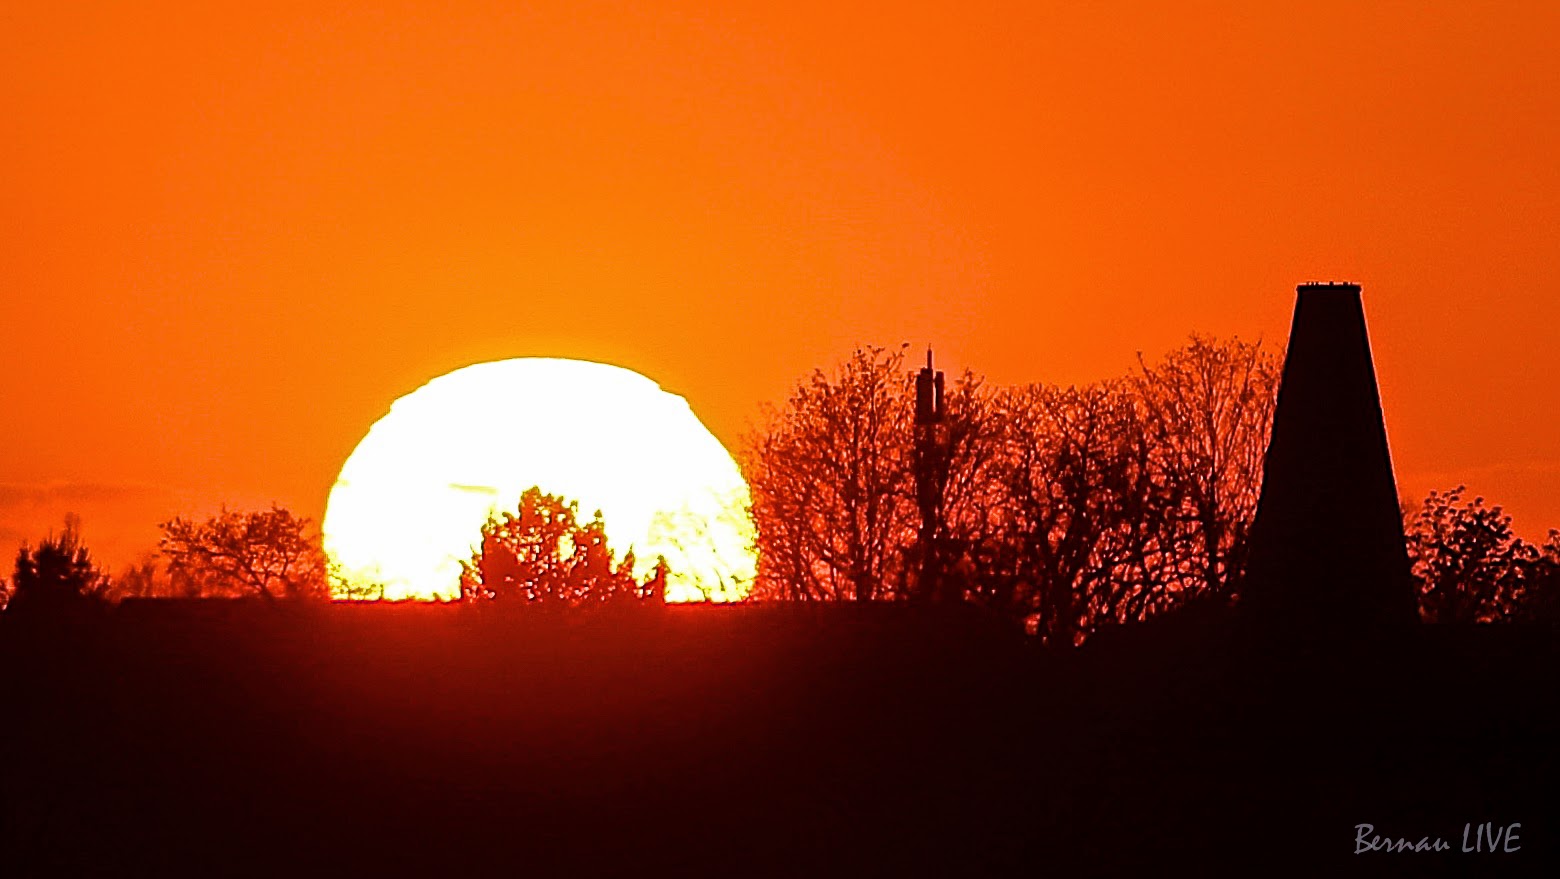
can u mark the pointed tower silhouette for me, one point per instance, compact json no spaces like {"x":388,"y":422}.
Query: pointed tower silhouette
{"x":1327,"y":543}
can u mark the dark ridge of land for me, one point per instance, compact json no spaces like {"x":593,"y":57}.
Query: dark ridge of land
{"x":222,"y":738}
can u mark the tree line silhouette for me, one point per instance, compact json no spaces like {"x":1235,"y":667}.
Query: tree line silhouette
{"x":1064,"y":509}
{"x":270,"y":555}
{"x":1069,"y":508}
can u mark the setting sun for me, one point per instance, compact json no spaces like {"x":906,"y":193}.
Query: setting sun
{"x":411,"y":499}
{"x":831,"y":439}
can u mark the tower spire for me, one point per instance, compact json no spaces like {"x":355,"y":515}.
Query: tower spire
{"x":1327,"y":542}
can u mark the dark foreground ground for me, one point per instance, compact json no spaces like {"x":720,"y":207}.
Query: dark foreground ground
{"x":366,"y":740}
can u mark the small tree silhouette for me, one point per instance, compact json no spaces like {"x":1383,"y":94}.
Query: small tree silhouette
{"x":58,"y":573}
{"x":542,"y":553}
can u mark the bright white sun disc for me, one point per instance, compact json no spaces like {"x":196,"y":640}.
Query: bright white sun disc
{"x":411,"y":498}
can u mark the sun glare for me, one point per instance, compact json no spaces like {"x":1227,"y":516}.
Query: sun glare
{"x":411,"y":498}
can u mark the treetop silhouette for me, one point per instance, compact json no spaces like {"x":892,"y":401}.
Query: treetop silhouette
{"x":58,"y":574}
{"x":543,"y":554}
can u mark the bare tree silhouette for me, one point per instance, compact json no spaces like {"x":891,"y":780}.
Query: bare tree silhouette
{"x":1067,"y":473}
{"x":146,"y":578}
{"x":269,"y":554}
{"x":831,"y":486}
{"x":1208,"y":411}
{"x":702,"y":561}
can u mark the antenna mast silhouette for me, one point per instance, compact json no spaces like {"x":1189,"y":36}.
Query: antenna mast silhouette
{"x":931,"y":470}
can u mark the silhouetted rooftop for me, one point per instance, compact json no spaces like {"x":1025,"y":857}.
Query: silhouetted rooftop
{"x":1337,"y":286}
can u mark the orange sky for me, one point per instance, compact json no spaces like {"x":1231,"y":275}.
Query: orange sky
{"x":231,"y":239}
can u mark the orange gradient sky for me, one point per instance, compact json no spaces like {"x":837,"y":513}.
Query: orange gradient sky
{"x":231,"y":239}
